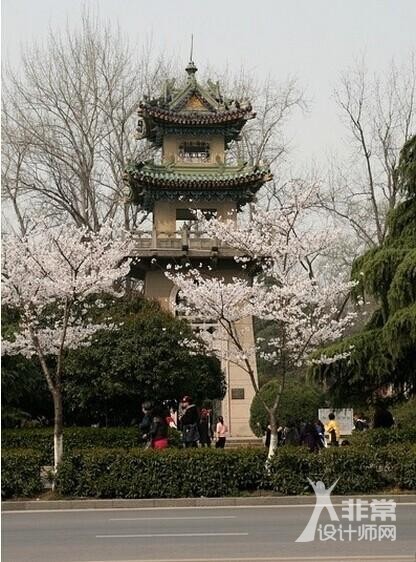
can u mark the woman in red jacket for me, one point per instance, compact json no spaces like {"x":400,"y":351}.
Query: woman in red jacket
{"x":158,"y":432}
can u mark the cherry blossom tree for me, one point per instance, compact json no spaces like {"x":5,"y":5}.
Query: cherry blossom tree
{"x":51,"y":278}
{"x":283,"y":280}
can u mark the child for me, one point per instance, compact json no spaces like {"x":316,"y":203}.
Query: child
{"x":332,"y":428}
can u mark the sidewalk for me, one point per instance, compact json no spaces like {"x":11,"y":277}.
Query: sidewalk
{"x":18,"y":505}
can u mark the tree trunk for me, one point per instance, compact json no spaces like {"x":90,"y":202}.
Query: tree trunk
{"x":273,"y":435}
{"x":272,"y":419}
{"x":58,"y":437}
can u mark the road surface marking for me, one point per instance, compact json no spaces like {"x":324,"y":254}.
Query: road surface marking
{"x":354,"y":558}
{"x":170,"y":508}
{"x":173,"y":518}
{"x":155,"y":535}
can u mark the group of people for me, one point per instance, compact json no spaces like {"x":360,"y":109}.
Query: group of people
{"x":313,"y":434}
{"x":196,"y":426}
{"x":316,"y":435}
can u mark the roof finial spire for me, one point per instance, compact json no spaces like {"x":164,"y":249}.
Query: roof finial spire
{"x":191,"y":68}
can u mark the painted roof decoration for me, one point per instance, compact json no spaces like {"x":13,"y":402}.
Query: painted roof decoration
{"x":192,"y":107}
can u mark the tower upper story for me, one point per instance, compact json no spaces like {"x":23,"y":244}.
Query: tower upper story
{"x":193,"y":125}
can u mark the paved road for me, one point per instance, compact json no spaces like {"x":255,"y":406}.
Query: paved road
{"x":248,"y":534}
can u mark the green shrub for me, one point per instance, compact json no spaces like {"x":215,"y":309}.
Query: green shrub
{"x":405,"y":471}
{"x":405,"y":414}
{"x":356,"y":469}
{"x":20,"y":472}
{"x":299,"y":402}
{"x":171,"y":473}
{"x":139,"y":473}
{"x":398,"y":465}
{"x":144,"y":473}
{"x":175,"y":438}
{"x":290,"y":468}
{"x":383,"y":437}
{"x":41,"y":439}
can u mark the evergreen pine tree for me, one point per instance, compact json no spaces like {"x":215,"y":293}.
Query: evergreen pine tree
{"x":383,"y":353}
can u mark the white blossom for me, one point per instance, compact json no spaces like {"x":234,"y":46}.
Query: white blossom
{"x":291,"y":287}
{"x":58,"y":268}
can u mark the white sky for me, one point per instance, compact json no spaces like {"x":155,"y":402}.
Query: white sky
{"x":313,"y":40}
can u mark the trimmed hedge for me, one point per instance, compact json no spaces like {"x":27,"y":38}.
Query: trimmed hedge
{"x":161,"y":474}
{"x":204,"y":472}
{"x":405,"y":413}
{"x":398,"y":462}
{"x":173,"y":473}
{"x":357,"y":469}
{"x":41,"y":439}
{"x":383,"y":437}
{"x":20,"y":472}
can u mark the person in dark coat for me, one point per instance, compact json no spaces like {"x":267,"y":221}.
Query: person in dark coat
{"x":310,"y":438}
{"x":291,"y":433}
{"x":382,"y":417}
{"x":144,"y":425}
{"x":189,"y":423}
{"x":360,"y":422}
{"x":205,"y":428}
{"x":320,"y":429}
{"x":268,"y":436}
{"x":158,"y":431}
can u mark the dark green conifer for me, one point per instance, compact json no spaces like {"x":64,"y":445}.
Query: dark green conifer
{"x":384,"y":351}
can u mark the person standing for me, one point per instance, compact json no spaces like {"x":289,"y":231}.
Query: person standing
{"x":145,"y":424}
{"x":360,"y":422}
{"x":221,"y":432}
{"x":205,"y":428}
{"x":189,"y":423}
{"x":291,"y":433}
{"x":158,"y":432}
{"x":310,"y":438}
{"x":382,"y":417}
{"x":320,"y":429}
{"x":268,"y":436}
{"x":332,"y":428}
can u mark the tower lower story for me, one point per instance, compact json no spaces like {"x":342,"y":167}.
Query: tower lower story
{"x":150,"y":266}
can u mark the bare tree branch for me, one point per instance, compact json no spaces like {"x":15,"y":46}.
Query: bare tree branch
{"x":68,"y":122}
{"x":379,"y":114}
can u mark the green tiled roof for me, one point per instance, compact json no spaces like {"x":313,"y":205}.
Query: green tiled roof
{"x":150,"y":182}
{"x":170,"y":111}
{"x":148,"y":175}
{"x":196,"y":118}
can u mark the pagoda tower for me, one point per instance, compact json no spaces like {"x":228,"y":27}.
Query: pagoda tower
{"x":193,"y":126}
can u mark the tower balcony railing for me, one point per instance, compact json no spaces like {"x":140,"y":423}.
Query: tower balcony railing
{"x":178,"y":240}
